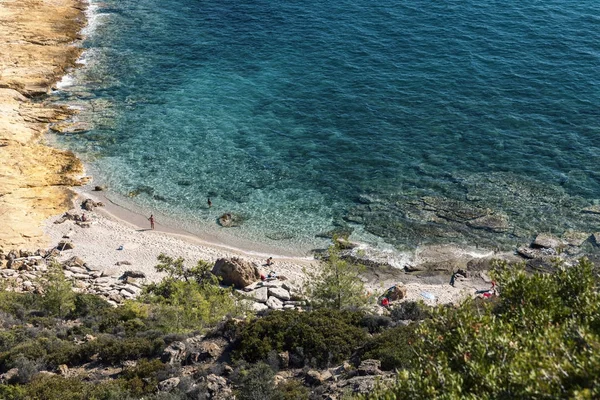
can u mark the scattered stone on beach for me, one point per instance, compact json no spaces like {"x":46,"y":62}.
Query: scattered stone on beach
{"x":68,"y":216}
{"x":236,"y":271}
{"x":274,"y":303}
{"x":547,"y":241}
{"x":123,"y":263}
{"x":89,"y":204}
{"x":596,"y":238}
{"x":280,"y":293}
{"x":100,"y":188}
{"x":260,"y":295}
{"x":132,"y":274}
{"x":74,"y":262}
{"x":65,"y":245}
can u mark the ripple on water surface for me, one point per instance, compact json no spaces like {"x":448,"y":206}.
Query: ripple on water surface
{"x":304,"y":117}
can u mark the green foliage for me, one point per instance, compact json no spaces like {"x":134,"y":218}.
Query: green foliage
{"x":337,"y":284}
{"x":322,"y":337}
{"x":291,"y":390}
{"x":115,"y":351}
{"x":541,"y":340}
{"x":142,"y":379}
{"x":188,"y":299}
{"x":57,"y":387}
{"x":393,"y":347}
{"x":254,"y":382}
{"x":11,"y":392}
{"x":58,"y":299}
{"x":410,"y":310}
{"x":88,"y":304}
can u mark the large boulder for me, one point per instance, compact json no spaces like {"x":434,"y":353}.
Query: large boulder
{"x":235,"y":271}
{"x":397,"y":292}
{"x":280,"y":293}
{"x":547,"y":241}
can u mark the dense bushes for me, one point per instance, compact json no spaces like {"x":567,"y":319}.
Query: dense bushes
{"x":541,"y":339}
{"x":336,"y":284}
{"x":188,"y":299}
{"x":320,"y":338}
{"x":393,"y":348}
{"x":410,"y":310}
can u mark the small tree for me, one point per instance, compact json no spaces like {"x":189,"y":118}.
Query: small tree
{"x":188,"y":298}
{"x":337,"y":283}
{"x":58,"y":299}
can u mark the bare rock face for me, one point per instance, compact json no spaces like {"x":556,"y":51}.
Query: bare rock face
{"x":174,"y":353}
{"x":235,"y":271}
{"x":168,"y":384}
{"x":369,"y":367}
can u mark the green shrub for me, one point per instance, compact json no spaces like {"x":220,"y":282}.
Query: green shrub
{"x":11,"y":392}
{"x":57,"y":387}
{"x":336,"y":284}
{"x":410,"y":310}
{"x":88,"y":304}
{"x":375,"y":323}
{"x":254,"y":382}
{"x":58,"y":298}
{"x":142,"y":379}
{"x":291,"y":390}
{"x":322,"y":337}
{"x":393,"y":347}
{"x":187,"y":299}
{"x":115,"y":351}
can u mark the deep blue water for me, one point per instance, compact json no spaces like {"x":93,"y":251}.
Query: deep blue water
{"x":303,"y":116}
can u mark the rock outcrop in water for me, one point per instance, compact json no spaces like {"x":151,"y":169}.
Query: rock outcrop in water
{"x":488,"y":210}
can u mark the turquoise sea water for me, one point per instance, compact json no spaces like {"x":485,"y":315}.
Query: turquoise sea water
{"x":307,"y":116}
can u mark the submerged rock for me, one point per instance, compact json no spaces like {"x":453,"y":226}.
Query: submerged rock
{"x":594,"y":209}
{"x":574,"y":238}
{"x":229,"y":220}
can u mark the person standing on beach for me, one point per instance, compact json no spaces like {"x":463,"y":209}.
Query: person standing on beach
{"x":209,"y":203}
{"x":151,"y":219}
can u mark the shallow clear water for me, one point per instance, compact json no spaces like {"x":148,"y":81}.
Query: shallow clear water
{"x":305,"y":116}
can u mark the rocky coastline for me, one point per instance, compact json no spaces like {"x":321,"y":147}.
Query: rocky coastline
{"x":37,"y":43}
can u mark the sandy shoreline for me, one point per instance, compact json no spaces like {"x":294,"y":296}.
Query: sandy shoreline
{"x":117,"y":235}
{"x":36,"y":180}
